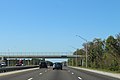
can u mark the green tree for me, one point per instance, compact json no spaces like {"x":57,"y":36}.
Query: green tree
{"x":104,"y":54}
{"x":95,"y":52}
{"x":113,"y":48}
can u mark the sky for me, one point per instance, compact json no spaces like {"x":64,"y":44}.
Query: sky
{"x":52,"y":25}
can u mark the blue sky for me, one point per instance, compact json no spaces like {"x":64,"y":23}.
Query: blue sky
{"x":51,"y":25}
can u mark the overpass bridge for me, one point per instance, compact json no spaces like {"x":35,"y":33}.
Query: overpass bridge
{"x":39,"y":55}
{"x":43,"y":56}
{"x":6,"y":56}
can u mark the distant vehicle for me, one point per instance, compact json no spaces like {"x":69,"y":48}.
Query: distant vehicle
{"x":43,"y":64}
{"x":20,"y":63}
{"x":3,"y":64}
{"x":57,"y":65}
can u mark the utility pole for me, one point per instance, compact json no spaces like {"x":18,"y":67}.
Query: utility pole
{"x":8,"y":58}
{"x":86,"y":46}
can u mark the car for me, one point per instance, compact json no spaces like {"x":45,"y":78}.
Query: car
{"x":43,"y":64}
{"x":57,"y":65}
{"x":3,"y":64}
{"x":18,"y":64}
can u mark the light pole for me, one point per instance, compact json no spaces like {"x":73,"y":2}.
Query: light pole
{"x":8,"y":58}
{"x":86,"y":46}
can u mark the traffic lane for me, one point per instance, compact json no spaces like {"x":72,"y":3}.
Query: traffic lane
{"x":49,"y":74}
{"x":86,"y":75}
{"x":42,"y":74}
{"x":56,"y":75}
{"x":22,"y":75}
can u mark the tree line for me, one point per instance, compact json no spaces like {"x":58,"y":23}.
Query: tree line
{"x":103,"y":54}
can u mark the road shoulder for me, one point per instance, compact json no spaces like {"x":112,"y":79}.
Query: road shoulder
{"x":115,"y":75}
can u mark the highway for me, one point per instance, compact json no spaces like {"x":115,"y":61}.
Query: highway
{"x":49,"y":74}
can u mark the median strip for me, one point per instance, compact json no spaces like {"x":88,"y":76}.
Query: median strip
{"x":14,"y":68}
{"x":14,"y":72}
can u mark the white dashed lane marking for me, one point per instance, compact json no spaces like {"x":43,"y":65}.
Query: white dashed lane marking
{"x":40,"y":73}
{"x":80,"y":78}
{"x":72,"y":73}
{"x":30,"y":78}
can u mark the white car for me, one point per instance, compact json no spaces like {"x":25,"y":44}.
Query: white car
{"x":2,"y":64}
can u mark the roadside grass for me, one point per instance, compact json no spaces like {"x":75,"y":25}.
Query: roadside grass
{"x":99,"y":69}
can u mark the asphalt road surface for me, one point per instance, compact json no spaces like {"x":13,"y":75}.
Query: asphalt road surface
{"x":49,"y":74}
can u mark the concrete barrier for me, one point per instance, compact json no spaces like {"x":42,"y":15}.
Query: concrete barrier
{"x":7,"y":69}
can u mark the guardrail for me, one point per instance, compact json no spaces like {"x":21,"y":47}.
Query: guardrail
{"x":7,"y":69}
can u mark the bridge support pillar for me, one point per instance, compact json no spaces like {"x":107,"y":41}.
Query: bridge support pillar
{"x":72,"y":62}
{"x":2,"y":58}
{"x":82,"y":62}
